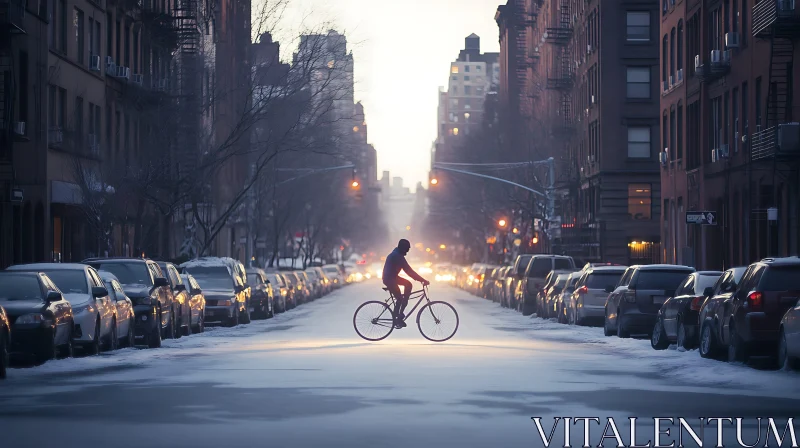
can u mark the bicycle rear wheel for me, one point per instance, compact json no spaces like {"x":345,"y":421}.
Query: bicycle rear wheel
{"x":373,"y":321}
{"x":437,"y":321}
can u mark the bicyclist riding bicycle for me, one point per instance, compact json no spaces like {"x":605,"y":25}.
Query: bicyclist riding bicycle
{"x":396,"y":262}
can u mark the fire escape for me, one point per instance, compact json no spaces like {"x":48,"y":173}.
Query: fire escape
{"x":12,"y":23}
{"x":189,"y":70}
{"x":560,"y":75}
{"x":778,"y":144}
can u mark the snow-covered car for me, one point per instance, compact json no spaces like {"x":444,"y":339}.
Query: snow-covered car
{"x":126,"y":319}
{"x":197,"y":302}
{"x":94,"y":313}
{"x":227,"y":298}
{"x":149,"y":290}
{"x":38,"y":315}
{"x":334,"y":274}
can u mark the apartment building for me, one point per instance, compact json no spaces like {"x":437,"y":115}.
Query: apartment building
{"x":731,"y":145}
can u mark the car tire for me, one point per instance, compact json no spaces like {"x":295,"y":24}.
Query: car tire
{"x":737,"y":351}
{"x":659,"y":339}
{"x":94,"y":347}
{"x":622,"y":332}
{"x":178,"y":322}
{"x":67,"y":350}
{"x":187,"y":331}
{"x":606,"y":330}
{"x":709,"y":348}
{"x":130,"y":338}
{"x":111,"y":343}
{"x":234,"y":320}
{"x":3,"y":354}
{"x":201,"y":323}
{"x":155,"y":336}
{"x":785,"y":361}
{"x":683,"y":337}
{"x":169,"y":332}
{"x":245,"y":317}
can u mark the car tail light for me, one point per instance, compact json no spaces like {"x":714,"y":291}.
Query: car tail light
{"x":755,"y":299}
{"x":697,"y":302}
{"x":583,"y":289}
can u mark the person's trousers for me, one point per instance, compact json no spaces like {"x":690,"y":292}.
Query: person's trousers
{"x":400,"y":298}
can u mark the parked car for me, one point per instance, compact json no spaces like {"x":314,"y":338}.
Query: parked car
{"x":149,"y":290}
{"x":498,"y":288}
{"x":295,"y":288}
{"x":562,"y":300}
{"x":632,"y":306}
{"x":227,"y":300}
{"x":324,"y":280}
{"x":94,"y":313}
{"x":126,"y":319}
{"x":723,"y":289}
{"x":301,"y":289}
{"x":587,"y":302}
{"x":549,"y":295}
{"x":789,"y":342}
{"x":534,"y":279}
{"x":333,"y":272}
{"x":36,"y":321}
{"x":5,"y":342}
{"x":197,"y":302}
{"x":282,"y":292}
{"x":180,"y":299}
{"x":750,"y":322}
{"x":262,"y":300}
{"x":677,"y":320}
{"x":314,"y":283}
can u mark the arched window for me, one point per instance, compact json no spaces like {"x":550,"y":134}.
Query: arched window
{"x":664,"y":61}
{"x":680,"y":44}
{"x":672,"y":52}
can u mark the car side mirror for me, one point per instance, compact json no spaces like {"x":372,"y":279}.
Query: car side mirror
{"x":180,"y":288}
{"x":609,"y":289}
{"x":708,"y":292}
{"x":160,"y":281}
{"x":99,"y":291}
{"x":54,"y":296}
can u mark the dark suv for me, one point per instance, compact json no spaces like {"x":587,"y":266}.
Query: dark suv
{"x":533,"y":282}
{"x":751,"y":319}
{"x":632,"y":307}
{"x":148,"y":288}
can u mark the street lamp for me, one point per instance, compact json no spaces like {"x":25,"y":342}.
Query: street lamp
{"x":501,"y":223}
{"x":515,"y":230}
{"x":355,"y":184}
{"x":434,"y":181}
{"x":442,"y":247}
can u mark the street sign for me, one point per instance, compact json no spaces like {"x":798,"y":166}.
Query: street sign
{"x":705,"y":218}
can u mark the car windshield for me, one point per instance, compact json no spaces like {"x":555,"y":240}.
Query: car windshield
{"x":19,"y":287}
{"x":781,"y":278}
{"x":600,"y":280}
{"x":127,"y":273}
{"x":523,"y":264}
{"x":211,"y":277}
{"x":312,"y":275}
{"x":332,"y":270}
{"x":68,"y":281}
{"x":275,"y":280}
{"x":666,"y":280}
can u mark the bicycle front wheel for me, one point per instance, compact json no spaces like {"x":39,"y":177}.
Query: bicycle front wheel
{"x":437,"y":321}
{"x":373,"y":321}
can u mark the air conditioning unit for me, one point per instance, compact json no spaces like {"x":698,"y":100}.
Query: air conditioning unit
{"x":123,"y":72}
{"x":716,"y":57}
{"x":732,"y":39}
{"x":789,"y":137}
{"x":662,"y":157}
{"x":593,"y":100}
{"x":111,"y":67}
{"x":680,"y":75}
{"x":714,"y":155}
{"x":591,"y":158}
{"x":94,"y":63}
{"x":18,"y":127}
{"x":671,"y":80}
{"x":589,"y":49}
{"x":136,"y":79}
{"x":785,"y":6}
{"x":697,"y":62}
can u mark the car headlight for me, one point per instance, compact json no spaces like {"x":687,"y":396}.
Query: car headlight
{"x":30,"y":319}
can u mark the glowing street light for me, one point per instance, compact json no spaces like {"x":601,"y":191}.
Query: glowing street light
{"x":408,"y":227}
{"x":501,"y":223}
{"x":355,"y":184}
{"x":515,"y":230}
{"x":442,"y":246}
{"x":434,"y":181}
{"x":427,"y":249}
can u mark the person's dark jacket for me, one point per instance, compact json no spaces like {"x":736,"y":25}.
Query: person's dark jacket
{"x":395,"y":263}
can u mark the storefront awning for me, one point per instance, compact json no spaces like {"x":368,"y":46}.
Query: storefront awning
{"x":65,"y":193}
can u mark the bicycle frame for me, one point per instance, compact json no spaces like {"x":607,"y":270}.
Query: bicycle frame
{"x":421,"y":294}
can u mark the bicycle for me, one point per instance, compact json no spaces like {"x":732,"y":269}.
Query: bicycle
{"x":436,"y":317}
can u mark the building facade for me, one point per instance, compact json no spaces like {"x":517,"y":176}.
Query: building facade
{"x":731,"y":145}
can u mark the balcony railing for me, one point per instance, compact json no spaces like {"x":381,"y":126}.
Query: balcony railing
{"x":781,"y":142}
{"x":559,"y":35}
{"x":718,"y":66}
{"x":778,"y":16}
{"x":560,"y":81}
{"x":12,"y":16}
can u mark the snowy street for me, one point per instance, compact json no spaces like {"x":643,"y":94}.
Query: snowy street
{"x":305,"y":379}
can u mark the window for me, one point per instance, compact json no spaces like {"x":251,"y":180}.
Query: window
{"x":454,"y":78}
{"x":679,"y":46}
{"x":62,"y":108}
{"x":77,"y":23}
{"x":735,"y":16}
{"x":735,"y":106}
{"x":467,"y":90}
{"x":466,"y":78}
{"x":758,"y":103}
{"x":62,"y":23}
{"x":466,"y":69}
{"x":51,"y":106}
{"x":454,"y":69}
{"x":108,"y":130}
{"x":639,"y":201}
{"x":78,"y":119}
{"x":117,"y":128}
{"x":745,"y":117}
{"x":638,"y":82}
{"x":23,"y":86}
{"x":126,"y":30}
{"x":109,"y":35}
{"x":454,"y":90}
{"x":744,"y":23}
{"x":672,"y":52}
{"x":679,"y":139}
{"x":639,"y":142}
{"x":638,"y":26}
{"x":665,"y":135}
{"x":136,"y":51}
{"x":664,"y":59}
{"x":478,"y":68}
{"x":118,"y":43}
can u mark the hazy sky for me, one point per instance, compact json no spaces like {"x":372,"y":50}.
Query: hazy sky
{"x":402,"y":51}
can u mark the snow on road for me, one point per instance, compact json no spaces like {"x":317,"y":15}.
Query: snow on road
{"x":304,"y":378}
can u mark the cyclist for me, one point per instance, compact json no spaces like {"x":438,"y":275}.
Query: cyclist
{"x":396,"y":262}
